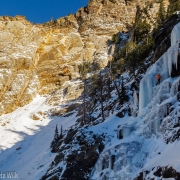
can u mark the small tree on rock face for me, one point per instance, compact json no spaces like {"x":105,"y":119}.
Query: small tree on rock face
{"x":60,"y":135}
{"x":115,"y":38}
{"x":174,"y":5}
{"x":142,"y":28}
{"x":162,"y":13}
{"x":98,"y":87}
{"x":55,"y":142}
{"x":124,"y":97}
{"x":84,"y":68}
{"x":101,"y":84}
{"x":56,"y":135}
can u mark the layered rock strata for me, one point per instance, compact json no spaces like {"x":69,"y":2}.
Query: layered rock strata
{"x":39,"y":58}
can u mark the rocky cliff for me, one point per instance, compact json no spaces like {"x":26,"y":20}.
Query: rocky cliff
{"x":39,"y":58}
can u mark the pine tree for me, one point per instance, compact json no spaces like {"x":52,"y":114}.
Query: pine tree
{"x":115,"y":38}
{"x":60,"y":135}
{"x":117,"y":89}
{"x":162,"y":13}
{"x":84,"y":68}
{"x":98,"y":85}
{"x":101,"y":95}
{"x":141,"y":27}
{"x":56,"y":135}
{"x":121,"y":90}
{"x":131,"y":57}
{"x":174,"y":5}
{"x":55,"y":141}
{"x":124,"y":96}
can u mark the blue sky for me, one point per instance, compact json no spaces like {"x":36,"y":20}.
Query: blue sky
{"x":39,"y":11}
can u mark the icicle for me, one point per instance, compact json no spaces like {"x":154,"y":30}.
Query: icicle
{"x":115,"y":168}
{"x":163,"y":110}
{"x":172,"y":54}
{"x":135,"y":98}
{"x":106,"y":162}
{"x":100,"y":164}
{"x":141,"y":96}
{"x":166,"y":66}
{"x":157,"y":126}
{"x":174,"y":88}
{"x":175,"y":34}
{"x":110,"y":162}
{"x":125,"y":162}
{"x":169,"y":61}
{"x":145,"y":95}
{"x":127,"y":130}
{"x":176,"y":55}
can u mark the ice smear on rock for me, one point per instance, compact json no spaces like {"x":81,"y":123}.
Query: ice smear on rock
{"x":120,"y":158}
{"x":124,"y":131}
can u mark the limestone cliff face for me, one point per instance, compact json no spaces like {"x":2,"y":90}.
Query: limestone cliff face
{"x":40,"y":58}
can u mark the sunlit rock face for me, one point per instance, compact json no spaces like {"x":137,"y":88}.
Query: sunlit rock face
{"x":18,"y":78}
{"x":39,"y":58}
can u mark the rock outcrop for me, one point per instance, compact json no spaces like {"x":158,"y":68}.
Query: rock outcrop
{"x":39,"y":58}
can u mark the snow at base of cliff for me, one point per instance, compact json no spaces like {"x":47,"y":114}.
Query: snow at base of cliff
{"x":24,"y":142}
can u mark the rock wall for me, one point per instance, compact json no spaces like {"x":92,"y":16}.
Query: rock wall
{"x":39,"y":58}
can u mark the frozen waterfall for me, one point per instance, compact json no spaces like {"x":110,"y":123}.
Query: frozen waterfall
{"x":118,"y":162}
{"x":163,"y":66}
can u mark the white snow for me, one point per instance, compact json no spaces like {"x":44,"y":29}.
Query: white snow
{"x":133,"y":153}
{"x":33,"y":137}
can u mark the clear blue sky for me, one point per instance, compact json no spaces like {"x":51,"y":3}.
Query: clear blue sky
{"x":39,"y":11}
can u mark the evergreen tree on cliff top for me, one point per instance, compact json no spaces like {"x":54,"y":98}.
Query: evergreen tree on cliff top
{"x":161,"y":14}
{"x":174,"y":5}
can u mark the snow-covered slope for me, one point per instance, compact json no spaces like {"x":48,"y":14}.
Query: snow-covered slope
{"x":24,"y":142}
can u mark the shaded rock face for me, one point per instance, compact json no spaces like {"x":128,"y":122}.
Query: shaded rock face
{"x":79,"y":161}
{"x":159,"y":172}
{"x":41,"y":58}
{"x":162,"y":36}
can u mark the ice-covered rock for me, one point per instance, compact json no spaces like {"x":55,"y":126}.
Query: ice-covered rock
{"x":118,"y":162}
{"x":163,"y":66}
{"x":124,"y":131}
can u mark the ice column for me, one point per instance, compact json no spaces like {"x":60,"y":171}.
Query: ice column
{"x":145,"y":94}
{"x":135,"y":99}
{"x":175,"y":34}
{"x":126,"y":130}
{"x":174,"y":88}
